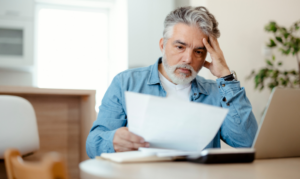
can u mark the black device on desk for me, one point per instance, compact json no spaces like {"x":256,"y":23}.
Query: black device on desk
{"x":241,"y":155}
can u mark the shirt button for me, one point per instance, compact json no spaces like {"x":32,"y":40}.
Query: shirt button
{"x":223,"y":85}
{"x":195,"y":94}
{"x":228,"y":104}
{"x":224,"y":99}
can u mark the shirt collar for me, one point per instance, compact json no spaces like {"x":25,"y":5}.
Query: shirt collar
{"x":197,"y":86}
{"x":153,"y":76}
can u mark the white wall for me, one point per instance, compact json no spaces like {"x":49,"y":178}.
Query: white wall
{"x":118,"y":38}
{"x":9,"y":77}
{"x":242,"y":37}
{"x":145,"y":28}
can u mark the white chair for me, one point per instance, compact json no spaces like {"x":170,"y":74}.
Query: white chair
{"x":18,"y":127}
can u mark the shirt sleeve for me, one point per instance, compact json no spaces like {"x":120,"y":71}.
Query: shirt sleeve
{"x":111,"y":117}
{"x":240,"y":126}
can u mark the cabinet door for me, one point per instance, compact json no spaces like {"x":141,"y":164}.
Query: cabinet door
{"x":17,"y":9}
{"x":16,"y":43}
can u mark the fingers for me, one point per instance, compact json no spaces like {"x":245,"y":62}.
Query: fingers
{"x":137,"y":145}
{"x":132,"y":137}
{"x":126,"y":141}
{"x":214,"y":42}
{"x":131,"y":145}
{"x":207,"y":46}
{"x":207,"y":64}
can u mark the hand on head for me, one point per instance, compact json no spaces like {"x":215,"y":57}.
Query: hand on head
{"x":127,"y":141}
{"x":218,"y":66}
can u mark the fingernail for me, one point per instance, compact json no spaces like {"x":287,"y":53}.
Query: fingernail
{"x":142,"y":141}
{"x":147,"y":145}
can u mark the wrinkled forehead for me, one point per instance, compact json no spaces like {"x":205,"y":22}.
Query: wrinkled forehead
{"x":191,"y":35}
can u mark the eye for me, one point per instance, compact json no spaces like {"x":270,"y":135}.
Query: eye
{"x":180,"y":47}
{"x":199,"y":52}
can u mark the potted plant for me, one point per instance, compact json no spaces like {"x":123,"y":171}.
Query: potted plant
{"x":288,"y":43}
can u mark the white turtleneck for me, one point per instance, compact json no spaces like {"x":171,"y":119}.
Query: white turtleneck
{"x":175,"y":91}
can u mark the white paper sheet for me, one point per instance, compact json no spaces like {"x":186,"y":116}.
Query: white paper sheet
{"x":173,"y":124}
{"x":167,"y":152}
{"x":137,"y":106}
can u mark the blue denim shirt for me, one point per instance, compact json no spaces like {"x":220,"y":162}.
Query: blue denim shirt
{"x":238,"y":129}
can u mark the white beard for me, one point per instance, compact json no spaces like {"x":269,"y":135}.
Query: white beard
{"x":181,"y":78}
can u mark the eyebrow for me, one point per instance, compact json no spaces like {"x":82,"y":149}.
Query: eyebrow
{"x":183,"y":43}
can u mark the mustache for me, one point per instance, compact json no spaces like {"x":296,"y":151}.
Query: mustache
{"x":186,"y":66}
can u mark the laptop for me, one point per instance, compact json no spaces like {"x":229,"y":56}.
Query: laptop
{"x":278,"y":134}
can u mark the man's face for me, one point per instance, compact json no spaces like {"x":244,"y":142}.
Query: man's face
{"x":184,"y":50}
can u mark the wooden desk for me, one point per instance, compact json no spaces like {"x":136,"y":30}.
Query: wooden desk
{"x":262,"y":169}
{"x":64,"y":118}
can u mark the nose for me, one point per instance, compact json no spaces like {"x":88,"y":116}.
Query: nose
{"x":187,"y":56}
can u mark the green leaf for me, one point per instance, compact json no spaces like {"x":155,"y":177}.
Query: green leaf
{"x":293,"y":72}
{"x":271,"y":27}
{"x":285,"y":82}
{"x":269,"y":62}
{"x":273,"y":57}
{"x":275,"y":74}
{"x":281,"y":79}
{"x":269,"y":72}
{"x":272,"y":43}
{"x":279,"y":63}
{"x":256,"y":80}
{"x":296,"y":50}
{"x":286,"y":35}
{"x":285,"y":52}
{"x":279,"y":39}
{"x":271,"y":86}
{"x":296,"y":26}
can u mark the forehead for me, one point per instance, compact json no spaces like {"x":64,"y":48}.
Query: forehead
{"x":191,"y":35}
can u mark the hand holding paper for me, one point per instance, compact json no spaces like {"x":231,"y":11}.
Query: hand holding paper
{"x":127,"y":141}
{"x":171,"y":123}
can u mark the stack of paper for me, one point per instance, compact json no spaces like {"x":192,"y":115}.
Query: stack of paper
{"x":173,"y":127}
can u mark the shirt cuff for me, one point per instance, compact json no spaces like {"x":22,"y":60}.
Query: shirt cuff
{"x":109,"y":147}
{"x":228,"y":88}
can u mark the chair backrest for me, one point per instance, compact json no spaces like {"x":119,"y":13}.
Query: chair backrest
{"x":18,"y":126}
{"x":51,"y":167}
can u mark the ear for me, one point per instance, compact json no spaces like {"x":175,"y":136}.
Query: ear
{"x":161,"y":44}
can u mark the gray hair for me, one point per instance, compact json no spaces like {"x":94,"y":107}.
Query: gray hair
{"x":198,"y":16}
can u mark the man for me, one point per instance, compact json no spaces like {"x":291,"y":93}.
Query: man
{"x":189,"y":33}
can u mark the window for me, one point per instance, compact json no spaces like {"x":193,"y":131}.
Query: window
{"x":72,"y":48}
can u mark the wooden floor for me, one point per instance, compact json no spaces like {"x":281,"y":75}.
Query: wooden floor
{"x":62,"y":127}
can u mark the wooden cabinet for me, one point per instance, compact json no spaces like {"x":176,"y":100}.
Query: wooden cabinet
{"x":64,"y":119}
